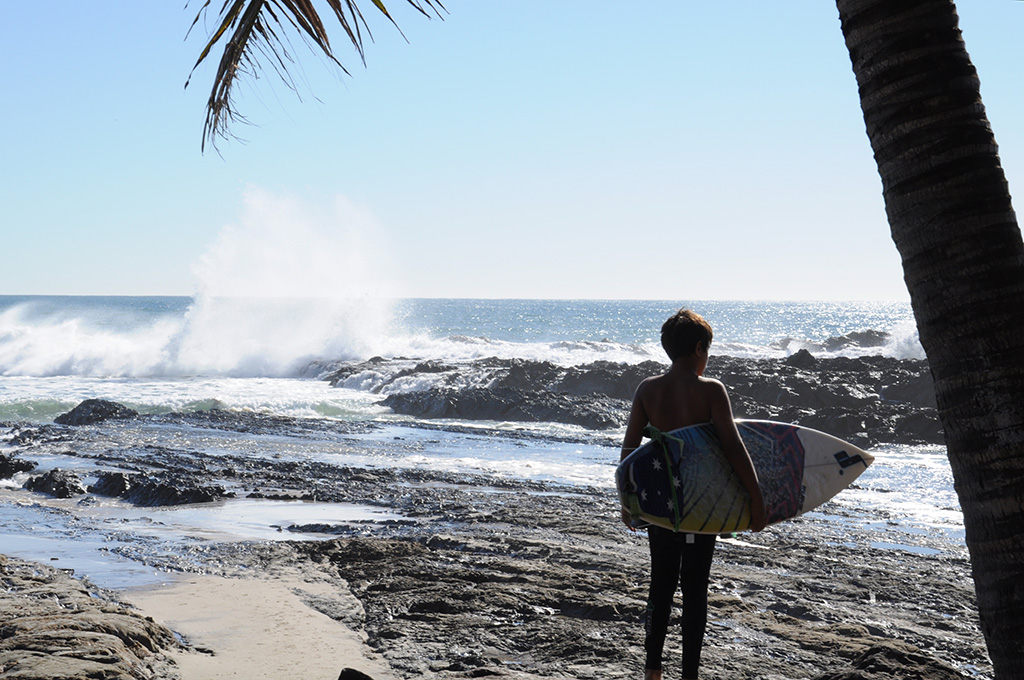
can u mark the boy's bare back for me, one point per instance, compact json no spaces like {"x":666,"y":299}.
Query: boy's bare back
{"x":675,"y":400}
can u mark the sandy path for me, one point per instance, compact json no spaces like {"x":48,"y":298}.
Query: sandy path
{"x":255,"y":628}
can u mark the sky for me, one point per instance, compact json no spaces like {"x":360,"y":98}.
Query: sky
{"x":514,"y":149}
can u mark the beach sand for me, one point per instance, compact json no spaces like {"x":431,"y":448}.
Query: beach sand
{"x":256,"y":628}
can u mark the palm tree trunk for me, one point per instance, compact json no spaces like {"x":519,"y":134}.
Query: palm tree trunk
{"x":949,"y":210}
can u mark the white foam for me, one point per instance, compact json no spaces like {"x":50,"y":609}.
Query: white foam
{"x":904,"y":342}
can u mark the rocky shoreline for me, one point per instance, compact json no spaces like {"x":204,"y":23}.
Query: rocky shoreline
{"x":478,"y":576}
{"x":476,"y":582}
{"x":55,"y":626}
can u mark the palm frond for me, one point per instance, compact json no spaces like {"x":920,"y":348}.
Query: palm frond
{"x":255,"y":33}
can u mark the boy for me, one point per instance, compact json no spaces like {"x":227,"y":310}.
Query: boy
{"x":680,"y":398}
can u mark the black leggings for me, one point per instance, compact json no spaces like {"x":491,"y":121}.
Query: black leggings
{"x":674,"y":561}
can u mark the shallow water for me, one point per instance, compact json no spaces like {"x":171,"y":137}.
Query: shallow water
{"x":903,"y":502}
{"x":92,"y":538}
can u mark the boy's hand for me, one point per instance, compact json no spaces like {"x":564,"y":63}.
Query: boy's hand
{"x":627,"y":519}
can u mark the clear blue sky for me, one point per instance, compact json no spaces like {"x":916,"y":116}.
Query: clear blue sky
{"x":518,"y":148}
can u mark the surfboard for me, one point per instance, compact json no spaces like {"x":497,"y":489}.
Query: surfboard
{"x":682,"y":481}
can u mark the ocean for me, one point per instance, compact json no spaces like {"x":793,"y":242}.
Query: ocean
{"x":165,"y":353}
{"x":160,"y":355}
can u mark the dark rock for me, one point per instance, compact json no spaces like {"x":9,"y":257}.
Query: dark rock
{"x":618,"y":381}
{"x":262,"y":423}
{"x":521,"y":374}
{"x":924,"y":426}
{"x":918,"y":390}
{"x":31,"y":436}
{"x":176,"y":490}
{"x":352,"y":674}
{"x":885,"y":663}
{"x":802,"y":359}
{"x":10,"y":465}
{"x":867,"y":399}
{"x":505,"y":404}
{"x":57,"y":483}
{"x":24,"y":437}
{"x":94,"y":411}
{"x":113,"y":484}
{"x":172,"y":489}
{"x":489,"y":576}
{"x":281,"y":496}
{"x":860,"y":339}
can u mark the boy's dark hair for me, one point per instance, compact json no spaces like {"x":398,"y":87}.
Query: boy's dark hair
{"x":684,"y":332}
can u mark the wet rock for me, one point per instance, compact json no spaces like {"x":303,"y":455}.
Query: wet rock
{"x":24,"y":437}
{"x":486,"y":576}
{"x":30,"y":436}
{"x":112,"y":484}
{"x":175,"y":490}
{"x":57,"y":483}
{"x":506,"y":404}
{"x":94,"y":411}
{"x":150,"y":491}
{"x":277,"y":496}
{"x":53,"y":626}
{"x":917,"y":389}
{"x":260,"y":423}
{"x":531,"y":587}
{"x":857,"y":339}
{"x":11,"y":465}
{"x":618,"y":381}
{"x":910,"y":427}
{"x":870,"y":400}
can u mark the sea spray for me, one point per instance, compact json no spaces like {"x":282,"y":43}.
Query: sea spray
{"x":288,"y":284}
{"x":282,"y":247}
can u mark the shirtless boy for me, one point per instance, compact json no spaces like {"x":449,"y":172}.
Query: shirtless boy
{"x":679,"y":398}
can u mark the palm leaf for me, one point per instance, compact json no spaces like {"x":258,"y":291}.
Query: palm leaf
{"x":255,"y":34}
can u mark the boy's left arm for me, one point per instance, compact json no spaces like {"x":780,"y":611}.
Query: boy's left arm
{"x":631,"y":440}
{"x":635,"y":425}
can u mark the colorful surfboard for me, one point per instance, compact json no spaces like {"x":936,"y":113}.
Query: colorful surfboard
{"x":684,"y":482}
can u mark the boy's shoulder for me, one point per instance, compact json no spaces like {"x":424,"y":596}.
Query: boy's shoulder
{"x":654,"y":381}
{"x":668,"y":381}
{"x":713,"y":382}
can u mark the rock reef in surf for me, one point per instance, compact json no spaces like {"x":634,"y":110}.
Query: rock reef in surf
{"x":93,"y":411}
{"x":57,"y":483}
{"x":11,"y":465}
{"x":868,"y":400}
